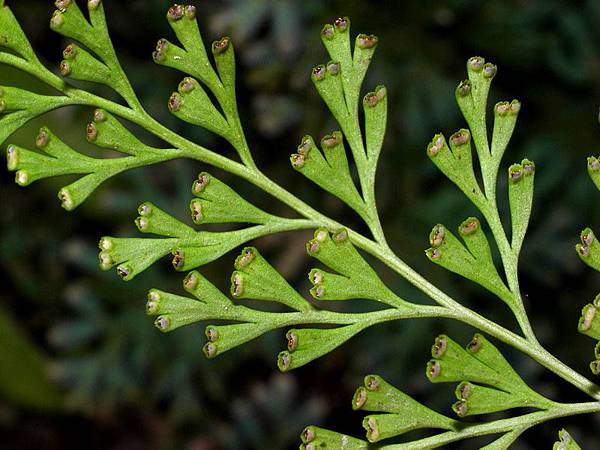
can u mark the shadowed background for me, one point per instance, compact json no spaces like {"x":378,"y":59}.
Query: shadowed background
{"x":82,"y":364}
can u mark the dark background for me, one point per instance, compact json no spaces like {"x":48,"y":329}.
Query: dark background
{"x":83,"y":365}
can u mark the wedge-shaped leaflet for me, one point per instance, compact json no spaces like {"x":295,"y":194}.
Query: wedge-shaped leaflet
{"x":453,"y":363}
{"x":193,"y":59}
{"x":471,"y":96}
{"x":17,"y":107}
{"x":520,"y":197}
{"x":565,"y":442}
{"x":327,"y":78}
{"x":328,"y":169}
{"x":359,"y":279}
{"x":132,"y":255}
{"x":106,"y":131}
{"x":225,"y":337}
{"x":473,"y":262}
{"x":60,"y":159}
{"x":193,"y":105}
{"x":218,"y":203}
{"x":589,"y":249}
{"x":174,"y":311}
{"x":197,"y":285}
{"x":69,"y":21}
{"x":12,"y":36}
{"x":79,"y":64}
{"x":375,"y":107}
{"x":405,"y":413}
{"x":189,"y":248}
{"x":225,"y":61}
{"x":314,"y":438}
{"x":456,"y":162}
{"x":307,"y":344}
{"x":480,"y":363}
{"x":593,"y":166}
{"x":207,"y":246}
{"x":505,"y":119}
{"x":474,"y":399}
{"x":483,"y":350}
{"x":487,"y":353}
{"x":336,"y":38}
{"x":255,"y":278}
{"x":154,"y":220}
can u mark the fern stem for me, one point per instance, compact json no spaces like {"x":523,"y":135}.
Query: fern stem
{"x":379,"y":250}
{"x":498,"y":426}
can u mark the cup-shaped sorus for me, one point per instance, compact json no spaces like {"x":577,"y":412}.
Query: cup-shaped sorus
{"x":589,"y":249}
{"x":154,"y":220}
{"x":315,"y":438}
{"x":520,"y":197}
{"x":593,"y":167}
{"x":307,"y":344}
{"x":218,"y":203}
{"x":132,"y":255}
{"x":407,"y":413}
{"x":595,"y":365}
{"x":255,"y":278}
{"x":224,"y":56}
{"x":589,"y":323}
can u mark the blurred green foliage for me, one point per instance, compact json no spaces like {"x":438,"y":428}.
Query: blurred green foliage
{"x":127,"y":386}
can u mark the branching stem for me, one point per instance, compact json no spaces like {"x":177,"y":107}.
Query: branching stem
{"x":520,"y":423}
{"x":380,"y":250}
